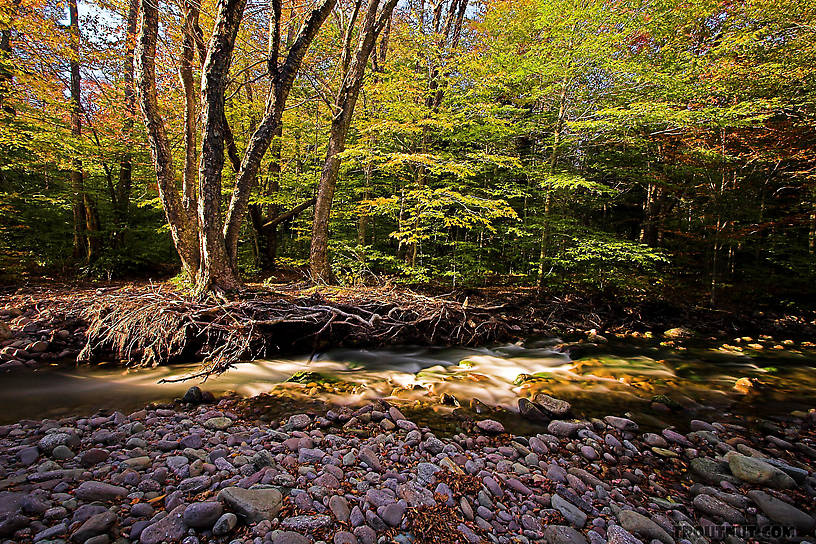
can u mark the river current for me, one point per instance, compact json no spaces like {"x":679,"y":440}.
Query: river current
{"x":752,"y":376}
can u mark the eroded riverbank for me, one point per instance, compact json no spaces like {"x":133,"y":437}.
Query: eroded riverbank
{"x":151,"y":324}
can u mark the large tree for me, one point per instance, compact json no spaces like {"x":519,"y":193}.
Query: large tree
{"x":354,"y":68}
{"x":206,"y":241}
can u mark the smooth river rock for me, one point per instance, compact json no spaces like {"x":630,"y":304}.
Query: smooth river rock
{"x":562,"y":534}
{"x":782,"y":512}
{"x":552,"y":406}
{"x":167,"y":530}
{"x":755,"y":471}
{"x":641,"y":525}
{"x":93,"y":526}
{"x":571,"y":513}
{"x":99,"y":491}
{"x":253,"y":504}
{"x":715,"y":507}
{"x":202,"y":514}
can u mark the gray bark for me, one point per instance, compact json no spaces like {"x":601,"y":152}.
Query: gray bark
{"x":183,"y":227}
{"x":270,"y":125}
{"x":346,"y":99}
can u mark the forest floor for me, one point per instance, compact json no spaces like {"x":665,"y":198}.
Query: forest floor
{"x":155,"y":323}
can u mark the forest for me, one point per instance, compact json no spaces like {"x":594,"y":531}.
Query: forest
{"x":646,"y":146}
{"x":407,"y":271}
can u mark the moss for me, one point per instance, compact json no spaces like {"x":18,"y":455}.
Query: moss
{"x":667,"y":401}
{"x":312,"y":377}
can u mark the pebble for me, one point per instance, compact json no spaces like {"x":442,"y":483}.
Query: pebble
{"x":99,"y":491}
{"x":170,"y":528}
{"x":306,"y":524}
{"x":225,"y":524}
{"x":215,"y":476}
{"x":621,"y":423}
{"x":93,"y":526}
{"x":715,"y":507}
{"x":640,"y":524}
{"x":755,"y":471}
{"x":618,"y":535}
{"x":297,"y":422}
{"x":782,"y":512}
{"x":564,"y":428}
{"x":571,"y":513}
{"x":254,"y":505}
{"x":562,"y":534}
{"x":218,"y":423}
{"x":340,"y":508}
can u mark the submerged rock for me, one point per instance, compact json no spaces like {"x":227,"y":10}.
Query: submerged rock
{"x":193,"y":395}
{"x":678,"y":333}
{"x":532,"y":412}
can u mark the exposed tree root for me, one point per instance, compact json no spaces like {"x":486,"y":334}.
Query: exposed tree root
{"x":153,"y":327}
{"x":147,"y":324}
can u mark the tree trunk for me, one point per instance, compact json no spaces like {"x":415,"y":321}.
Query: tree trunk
{"x":183,"y":227}
{"x":545,"y":231}
{"x":205,"y":241}
{"x":91,"y":227}
{"x":121,"y":203}
{"x":190,"y":87}
{"x":812,"y":240}
{"x":80,"y":241}
{"x":282,"y":79}
{"x":812,"y":234}
{"x":269,"y":235}
{"x":217,"y":272}
{"x":344,"y":106}
{"x":6,"y":69}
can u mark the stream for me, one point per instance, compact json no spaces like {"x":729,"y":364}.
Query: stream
{"x":747,"y":376}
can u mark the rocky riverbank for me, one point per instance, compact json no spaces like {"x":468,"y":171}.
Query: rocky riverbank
{"x":195,"y":473}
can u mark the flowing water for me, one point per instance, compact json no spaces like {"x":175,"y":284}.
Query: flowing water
{"x":613,"y":378}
